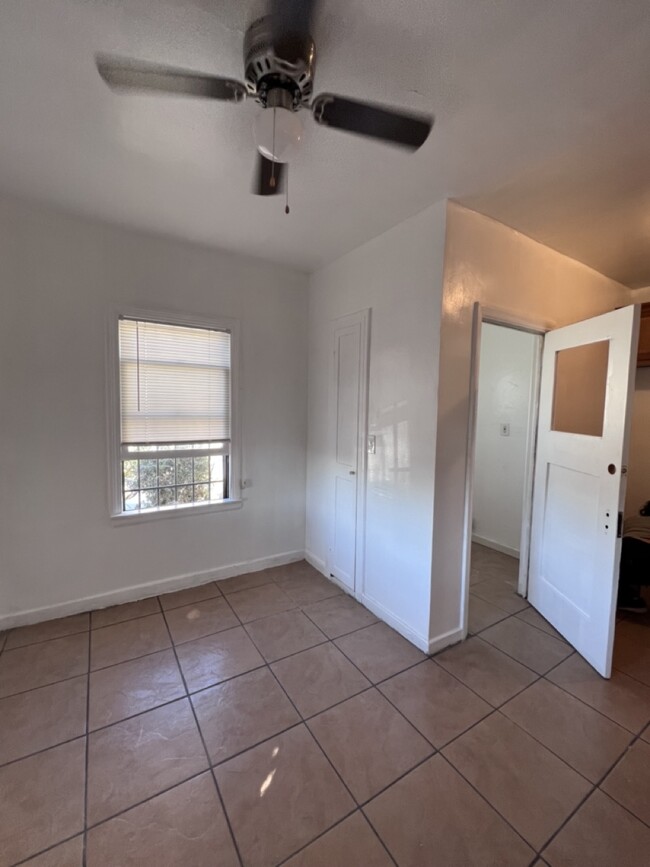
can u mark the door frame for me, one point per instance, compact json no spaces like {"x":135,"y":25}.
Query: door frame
{"x":362,"y":318}
{"x":494,"y":316}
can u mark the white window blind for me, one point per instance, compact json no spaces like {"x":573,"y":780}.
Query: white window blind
{"x":174,"y":383}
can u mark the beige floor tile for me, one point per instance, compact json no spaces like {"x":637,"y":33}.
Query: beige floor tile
{"x":207,"y":661}
{"x":69,"y":854}
{"x":584,"y":738}
{"x":185,"y":826}
{"x":127,"y":611}
{"x":629,"y":782}
{"x":48,"y":630}
{"x":632,"y":651}
{"x":42,"y":718}
{"x":41,"y":801}
{"x":339,"y":615}
{"x":369,"y":743}
{"x":132,"y":687}
{"x":621,"y":698}
{"x":128,"y":640}
{"x":432,"y":816}
{"x":39,"y":664}
{"x":318,"y":678}
{"x":306,"y":589}
{"x":199,"y":619}
{"x":260,"y":602}
{"x":487,"y":559}
{"x":379,"y":651}
{"x":532,"y":647}
{"x":245,"y":582}
{"x":500,"y":593}
{"x":189,"y":596}
{"x":351,"y":843}
{"x":280,"y":795}
{"x":436,"y":703}
{"x":240,"y":713}
{"x":493,"y":675}
{"x":529,"y":786}
{"x":483,"y":614}
{"x":284,"y":634}
{"x":534,"y":618}
{"x":601,"y":834}
{"x":139,"y":757}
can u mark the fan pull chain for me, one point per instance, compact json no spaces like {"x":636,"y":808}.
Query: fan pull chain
{"x":286,"y":169}
{"x":272,"y":181}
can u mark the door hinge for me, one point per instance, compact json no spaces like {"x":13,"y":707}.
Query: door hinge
{"x":619,"y":526}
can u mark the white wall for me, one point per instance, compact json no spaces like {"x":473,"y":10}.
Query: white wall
{"x":638,"y":476}
{"x":487,"y":262}
{"x":399,"y":276}
{"x":507,"y":360}
{"x":58,"y":278}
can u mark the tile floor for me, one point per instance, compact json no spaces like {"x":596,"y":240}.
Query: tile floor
{"x":270,"y":719}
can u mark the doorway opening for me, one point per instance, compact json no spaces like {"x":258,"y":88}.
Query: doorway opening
{"x":570,"y":544}
{"x":506,"y":375}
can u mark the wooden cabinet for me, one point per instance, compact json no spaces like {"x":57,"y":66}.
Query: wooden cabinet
{"x":643,"y":358}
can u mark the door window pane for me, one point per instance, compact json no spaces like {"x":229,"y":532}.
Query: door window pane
{"x":580,"y":389}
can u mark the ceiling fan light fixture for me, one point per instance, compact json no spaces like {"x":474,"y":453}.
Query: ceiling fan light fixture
{"x":278,"y":132}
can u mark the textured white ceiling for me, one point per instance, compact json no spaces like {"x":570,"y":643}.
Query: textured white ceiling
{"x":542,"y":121}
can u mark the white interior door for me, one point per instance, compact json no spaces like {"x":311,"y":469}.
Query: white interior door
{"x":348,"y":411}
{"x":586,"y":384}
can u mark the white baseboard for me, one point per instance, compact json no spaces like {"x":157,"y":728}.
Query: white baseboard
{"x":142,"y":591}
{"x":496,"y":546}
{"x":397,"y":623}
{"x":445,"y":640}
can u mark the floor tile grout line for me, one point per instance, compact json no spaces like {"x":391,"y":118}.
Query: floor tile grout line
{"x":491,"y":806}
{"x":205,"y":748}
{"x":172,"y":645}
{"x":376,"y":687}
{"x":46,"y":850}
{"x":86,"y":759}
{"x":146,"y":800}
{"x":304,"y":722}
{"x":318,"y":836}
{"x":42,"y":640}
{"x":582,"y":701}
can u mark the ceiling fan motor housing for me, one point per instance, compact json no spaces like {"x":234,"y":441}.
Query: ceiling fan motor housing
{"x":267,"y":71}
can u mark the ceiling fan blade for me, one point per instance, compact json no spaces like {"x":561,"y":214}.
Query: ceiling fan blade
{"x":126,"y":75}
{"x":269,"y":177}
{"x":404,"y":128}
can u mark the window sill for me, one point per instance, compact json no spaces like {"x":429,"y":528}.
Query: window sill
{"x":124,"y":519}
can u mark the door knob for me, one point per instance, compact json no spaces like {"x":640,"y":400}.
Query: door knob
{"x":353,"y":472}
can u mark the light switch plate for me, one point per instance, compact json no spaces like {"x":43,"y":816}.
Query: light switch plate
{"x":505,"y":429}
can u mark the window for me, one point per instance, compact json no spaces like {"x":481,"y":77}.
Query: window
{"x":175,"y":416}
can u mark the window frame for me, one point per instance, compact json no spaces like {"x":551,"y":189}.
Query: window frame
{"x":113,"y":415}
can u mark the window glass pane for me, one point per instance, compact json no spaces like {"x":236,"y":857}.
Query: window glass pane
{"x":184,"y":471}
{"x":166,"y":472}
{"x":131,"y":501}
{"x":202,"y":469}
{"x":580,"y":389}
{"x":216,"y":469}
{"x":149,"y":499}
{"x":148,"y":474}
{"x":201,"y":492}
{"x":185,"y":494}
{"x":167,"y":496}
{"x":130,"y":469}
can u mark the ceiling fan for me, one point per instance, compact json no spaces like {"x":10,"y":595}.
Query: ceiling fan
{"x":279,"y":63}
